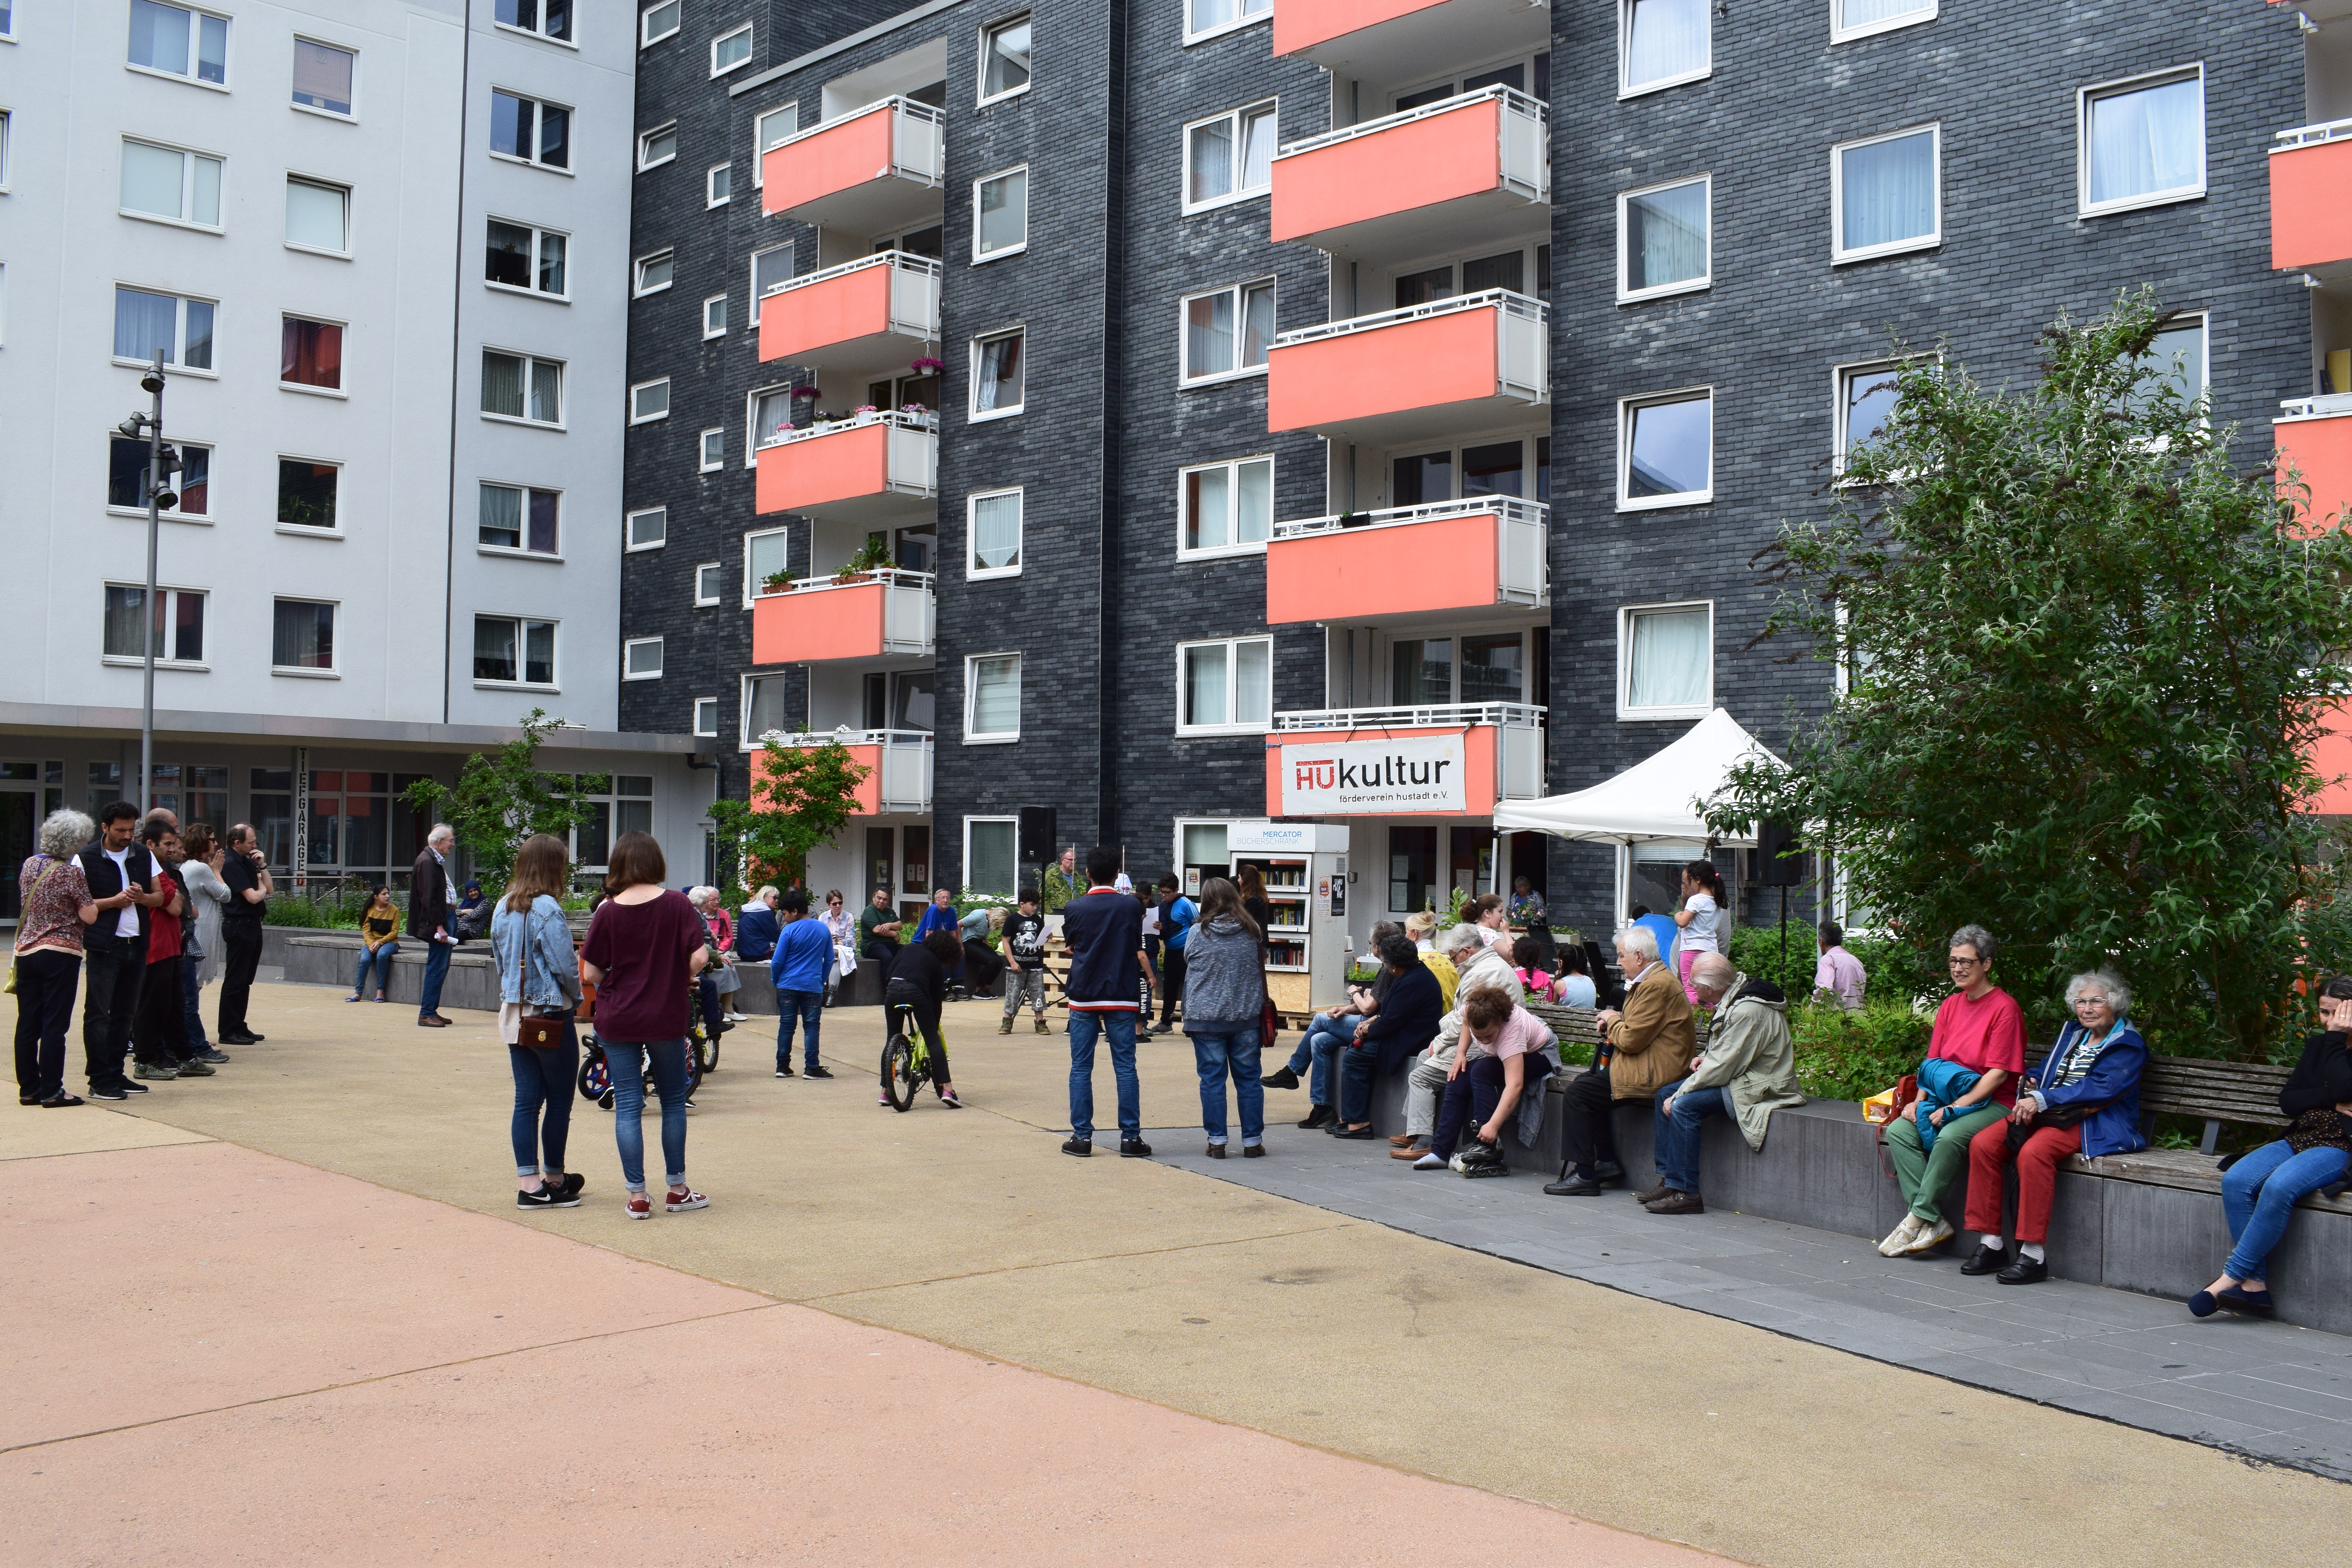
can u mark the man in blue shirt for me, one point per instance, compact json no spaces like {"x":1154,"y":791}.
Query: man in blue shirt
{"x":756,"y":927}
{"x":1178,"y":914}
{"x":804,"y":957}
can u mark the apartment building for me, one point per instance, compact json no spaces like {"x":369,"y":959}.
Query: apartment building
{"x":382,"y":249}
{"x":1195,"y":412}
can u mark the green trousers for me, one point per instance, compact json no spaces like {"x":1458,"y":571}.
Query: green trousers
{"x":1924,"y":1173}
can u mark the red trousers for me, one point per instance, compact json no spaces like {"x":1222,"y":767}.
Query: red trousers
{"x":2037,"y":1178}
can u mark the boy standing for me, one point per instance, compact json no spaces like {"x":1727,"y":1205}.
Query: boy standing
{"x":804,"y":957}
{"x":1025,"y":963}
{"x":1105,"y":931}
{"x":1177,"y":915}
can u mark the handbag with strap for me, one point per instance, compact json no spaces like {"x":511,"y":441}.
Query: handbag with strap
{"x":541,"y":1032}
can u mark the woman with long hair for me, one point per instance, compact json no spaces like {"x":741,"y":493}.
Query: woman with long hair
{"x":537,"y":979}
{"x":379,"y":945}
{"x":1224,"y":985}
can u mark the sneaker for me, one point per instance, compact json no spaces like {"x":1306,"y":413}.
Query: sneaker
{"x":639,"y":1207}
{"x":1901,"y":1236}
{"x":196,"y":1067}
{"x":1042,"y":1028}
{"x":678,"y":1202}
{"x":211,"y":1056}
{"x":573,"y":1185}
{"x":1006,"y":1026}
{"x":814,"y":1069}
{"x":1429,"y":1162}
{"x":1081,"y":1147}
{"x":948,"y":1099}
{"x":784,"y":1071}
{"x":130,"y":1088}
{"x":1280,"y":1077}
{"x":736,"y":1017}
{"x":1930,"y":1237}
{"x":109,"y":1093}
{"x":1134,"y":1149}
{"x":158,"y":1074}
{"x":546,"y":1198}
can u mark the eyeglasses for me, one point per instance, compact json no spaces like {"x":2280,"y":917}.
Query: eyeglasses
{"x":1965,"y":962}
{"x":2090,"y":1001}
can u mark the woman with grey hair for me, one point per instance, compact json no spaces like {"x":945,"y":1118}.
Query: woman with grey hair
{"x":1967,"y":1084}
{"x":55,"y":905}
{"x":2083,"y":1099}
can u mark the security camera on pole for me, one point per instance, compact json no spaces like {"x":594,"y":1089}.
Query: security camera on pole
{"x":162,"y":460}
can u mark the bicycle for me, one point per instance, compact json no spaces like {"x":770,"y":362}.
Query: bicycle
{"x":906,"y":1057}
{"x":701,"y":1060}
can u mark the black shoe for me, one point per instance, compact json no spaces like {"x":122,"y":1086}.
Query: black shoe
{"x":2024,"y":1271}
{"x":546,"y":1198}
{"x":2236,"y":1299}
{"x":1608,"y":1171}
{"x":1985,"y":1260}
{"x":1253,"y":1150}
{"x":112,"y":1091}
{"x":1134,"y":1149}
{"x":1364,"y":1131}
{"x":573,"y":1185}
{"x":246,"y":1038}
{"x":814,"y":1070}
{"x":1280,"y":1077}
{"x":1081,"y":1147}
{"x":784,"y":1070}
{"x":60,"y":1100}
{"x":1317,"y":1115}
{"x":1575,"y":1186}
{"x":28,"y":1100}
{"x":130,"y":1086}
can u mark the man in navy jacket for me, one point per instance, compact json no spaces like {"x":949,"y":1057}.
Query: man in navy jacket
{"x":1104,"y":930}
{"x":1405,"y":1026}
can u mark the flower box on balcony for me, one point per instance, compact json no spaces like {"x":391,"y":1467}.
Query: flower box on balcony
{"x":887,"y":615}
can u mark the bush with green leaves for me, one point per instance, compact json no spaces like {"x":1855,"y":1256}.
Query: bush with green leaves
{"x":1896,"y":972}
{"x":501,"y":798}
{"x":802,"y":796}
{"x":1844,"y":1054}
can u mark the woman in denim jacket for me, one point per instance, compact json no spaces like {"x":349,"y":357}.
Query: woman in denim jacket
{"x":538,"y":976}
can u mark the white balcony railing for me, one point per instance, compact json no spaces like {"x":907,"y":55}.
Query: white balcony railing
{"x":917,"y":144}
{"x":914,"y":289}
{"x":1522,"y":358}
{"x":2311,"y":135}
{"x":2325,"y":407}
{"x":1522,"y":538}
{"x":1526,"y":135}
{"x":906,"y":771}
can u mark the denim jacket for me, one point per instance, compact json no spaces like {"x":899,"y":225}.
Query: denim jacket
{"x":537,"y":965}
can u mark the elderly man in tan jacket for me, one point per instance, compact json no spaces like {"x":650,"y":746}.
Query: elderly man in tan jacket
{"x":1642,"y":1048}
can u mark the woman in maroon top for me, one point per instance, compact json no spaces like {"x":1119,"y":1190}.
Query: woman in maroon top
{"x":55,"y":900}
{"x":645,"y":944}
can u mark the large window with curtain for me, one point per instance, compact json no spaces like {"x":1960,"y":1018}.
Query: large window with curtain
{"x":1229,"y":156}
{"x":1661,"y":43}
{"x":322,"y":77}
{"x":1227,"y":508}
{"x":319,"y":216}
{"x":519,"y":386}
{"x":2143,"y":141}
{"x":1205,"y":17}
{"x":1662,"y":239}
{"x":1224,"y":687}
{"x":995,"y":529}
{"x":991,"y":708}
{"x":1666,"y":661}
{"x":147,"y":323}
{"x":509,"y":651}
{"x":999,"y":373}
{"x":1886,"y":193}
{"x":989,"y":854}
{"x":518,"y":517}
{"x":301,"y":636}
{"x":1228,"y":332}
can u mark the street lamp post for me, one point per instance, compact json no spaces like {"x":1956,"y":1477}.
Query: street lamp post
{"x":160,"y":461}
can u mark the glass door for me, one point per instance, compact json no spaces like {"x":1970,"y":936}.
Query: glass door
{"x":20,"y":817}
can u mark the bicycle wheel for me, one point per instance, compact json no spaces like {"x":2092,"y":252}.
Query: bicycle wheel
{"x":596,"y":1083}
{"x":706,"y":1058}
{"x":898,"y":1073}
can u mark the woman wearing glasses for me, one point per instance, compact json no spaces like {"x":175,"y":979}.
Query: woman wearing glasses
{"x":1968,"y":1083}
{"x":844,"y":927}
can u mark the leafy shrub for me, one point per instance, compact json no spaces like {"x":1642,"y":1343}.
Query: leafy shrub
{"x":326,"y":906}
{"x":1897,"y":974}
{"x":1853,"y":1055}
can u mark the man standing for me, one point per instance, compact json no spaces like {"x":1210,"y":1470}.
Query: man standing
{"x":431,"y":890}
{"x":244,"y":871}
{"x":1177,"y":916}
{"x":804,"y":955}
{"x":1063,"y":882}
{"x":159,"y":1036}
{"x":1838,"y":974}
{"x":1104,"y":930}
{"x":878,"y":926}
{"x":122,"y":877}
{"x":1643,"y":1049}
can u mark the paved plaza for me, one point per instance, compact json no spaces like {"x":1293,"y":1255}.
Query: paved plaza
{"x":289,"y":1314}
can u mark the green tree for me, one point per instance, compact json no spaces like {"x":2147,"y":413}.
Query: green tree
{"x":2088,"y":663}
{"x":802,"y":796}
{"x":502,"y":799}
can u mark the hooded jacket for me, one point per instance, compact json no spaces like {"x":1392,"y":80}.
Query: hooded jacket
{"x":2112,"y":1083}
{"x":1749,"y":1052}
{"x":1487,"y":970}
{"x":1225,"y":988}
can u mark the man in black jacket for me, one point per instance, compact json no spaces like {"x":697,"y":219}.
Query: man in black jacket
{"x":432,"y":888}
{"x":245,"y":870}
{"x":122,"y":877}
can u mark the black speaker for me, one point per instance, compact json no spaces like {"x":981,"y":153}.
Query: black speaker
{"x":1038,"y":841}
{"x":1780,"y":858}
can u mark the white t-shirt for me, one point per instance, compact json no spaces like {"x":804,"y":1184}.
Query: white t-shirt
{"x":1702,"y":934}
{"x":126,"y":924}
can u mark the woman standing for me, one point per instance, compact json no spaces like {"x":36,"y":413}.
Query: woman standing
{"x":1225,"y":984}
{"x":208,"y":894}
{"x":537,"y":979}
{"x":379,"y":926}
{"x":55,"y":905}
{"x":646,"y":946}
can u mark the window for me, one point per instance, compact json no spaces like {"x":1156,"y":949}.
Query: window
{"x":656,"y":147}
{"x":126,"y":476}
{"x":994,"y":526}
{"x":518,"y":256}
{"x":1229,"y":157}
{"x":526,"y":129}
{"x":763,"y":557}
{"x":1661,"y":43}
{"x":719,"y":185}
{"x":1492,"y":468}
{"x":1000,"y":215}
{"x":1005,"y":59}
{"x":176,"y":42}
{"x":770,"y":269}
{"x":991,"y":846}
{"x":762,"y":712}
{"x":548,"y":18}
{"x":168,"y":184}
{"x":646,"y":529}
{"x":1227,"y":508}
{"x":706,"y":717}
{"x":177,"y":624}
{"x":648,"y":401}
{"x":998,"y":371}
{"x":301,"y":636}
{"x":1865,"y":397}
{"x":771,"y":415}
{"x":656,"y":23}
{"x":1860,"y":18}
{"x":1888,"y":194}
{"x":709,"y":583}
{"x":1224,"y":687}
{"x":1666,"y":661}
{"x":311,"y":353}
{"x":518,"y":386}
{"x":323,"y":76}
{"x":2142,"y":142}
{"x":714,"y":450}
{"x":146,"y":324}
{"x":318,"y":216}
{"x":1205,"y":17}
{"x":9,"y":19}
{"x":1663,"y":235}
{"x":1412,"y":869}
{"x":306,"y":493}
{"x":992,"y":696}
{"x":516,"y":517}
{"x":641,"y":659}
{"x":2176,"y":358}
{"x":714,"y":317}
{"x":1666,"y":450}
{"x":771,"y":130}
{"x":1228,"y":332}
{"x":507,"y":651}
{"x":4,"y":147}
{"x":655,"y":272}
{"x":729,"y":50}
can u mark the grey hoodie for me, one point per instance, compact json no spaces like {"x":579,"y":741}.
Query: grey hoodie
{"x":1225,"y":984}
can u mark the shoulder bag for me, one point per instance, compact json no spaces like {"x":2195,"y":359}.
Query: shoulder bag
{"x":541,"y":1033}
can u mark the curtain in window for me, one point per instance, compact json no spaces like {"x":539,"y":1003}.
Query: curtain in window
{"x":122,"y":624}
{"x":499,"y":518}
{"x":1664,"y":38}
{"x":1209,"y":334}
{"x":145,"y":325}
{"x":1665,"y":237}
{"x":196,"y":481}
{"x":502,"y":384}
{"x":1254,"y":503}
{"x":1212,"y":160}
{"x":763,"y":706}
{"x":323,"y":76}
{"x":506,"y":256}
{"x":1204,"y":684}
{"x":539,"y":652}
{"x":1254,"y":683}
{"x":1671,"y":448}
{"x":1257,"y":150}
{"x":1862,"y":12}
{"x":996,"y":530}
{"x":494,"y":649}
{"x":993,"y":843}
{"x":542,"y":521}
{"x":2145,"y":142}
{"x":302,"y":636}
{"x":996,"y":695}
{"x":1000,"y":373}
{"x":551,"y":264}
{"x":547,"y":392}
{"x":771,"y":415}
{"x":1668,"y":667}
{"x":1888,"y":189}
{"x":1508,"y":270}
{"x":151,"y":180}
{"x":314,"y":215}
{"x":311,"y":353}
{"x":1206,"y":502}
{"x":1257,"y":324}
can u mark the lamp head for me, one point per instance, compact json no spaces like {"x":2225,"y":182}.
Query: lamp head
{"x":133,"y":426}
{"x":152,"y":382}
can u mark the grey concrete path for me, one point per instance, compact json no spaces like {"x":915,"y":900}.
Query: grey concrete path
{"x":2267,"y":1391}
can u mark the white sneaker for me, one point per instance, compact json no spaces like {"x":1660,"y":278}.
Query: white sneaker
{"x":1429,"y":1162}
{"x":1930,"y":1236}
{"x":1902,"y":1235}
{"x":739,"y":1017}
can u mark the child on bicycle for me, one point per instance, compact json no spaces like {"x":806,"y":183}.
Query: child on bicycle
{"x":919,"y":982}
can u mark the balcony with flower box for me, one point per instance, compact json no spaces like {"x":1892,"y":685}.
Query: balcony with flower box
{"x":1470,"y":171}
{"x":1404,"y":40}
{"x":1450,"y":367}
{"x":886,"y":616}
{"x":1456,"y":562}
{"x":1447,"y":759}
{"x":2311,"y":220}
{"x":899,"y":764}
{"x":876,"y":468}
{"x":863,"y":320}
{"x":874,"y":170}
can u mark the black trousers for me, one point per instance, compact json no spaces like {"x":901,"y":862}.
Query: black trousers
{"x":982,"y":967}
{"x":881,"y":950}
{"x":110,"y":1002}
{"x":1172,"y":984}
{"x":240,"y":956}
{"x":1586,"y":1133}
{"x":159,"y":1033}
{"x":926,"y":1018}
{"x":44,"y":994}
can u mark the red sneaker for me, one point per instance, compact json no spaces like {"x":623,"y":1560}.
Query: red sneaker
{"x":640,"y":1206}
{"x":678,"y":1202}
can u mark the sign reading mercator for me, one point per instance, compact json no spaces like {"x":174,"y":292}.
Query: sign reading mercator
{"x":1339,"y":777}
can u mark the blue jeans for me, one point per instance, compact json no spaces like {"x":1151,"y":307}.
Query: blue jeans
{"x":1678,"y":1132}
{"x":380,"y":962}
{"x":191,"y":992}
{"x":1324,"y":1036}
{"x":2260,"y":1191}
{"x":436,"y":970}
{"x":544,"y":1082}
{"x":623,"y":1061}
{"x":1214,"y":1055}
{"x":1119,"y":1023}
{"x":807,"y":1007}
{"x":1357,"y":1066}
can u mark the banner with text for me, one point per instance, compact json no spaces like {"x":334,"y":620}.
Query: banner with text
{"x":1335,"y":778}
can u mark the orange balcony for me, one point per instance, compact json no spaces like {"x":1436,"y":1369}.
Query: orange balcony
{"x":2311,"y":174}
{"x":897,"y":765}
{"x":1451,"y":367}
{"x":2313,"y":435}
{"x":1456,"y":760}
{"x":873,"y":171}
{"x":877,"y":469}
{"x":863,"y":319}
{"x":1453,"y":560}
{"x":1407,"y":40}
{"x":1462,"y":173}
{"x":887,"y":615}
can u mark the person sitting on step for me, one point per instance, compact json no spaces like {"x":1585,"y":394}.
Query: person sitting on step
{"x":1642,"y":1048}
{"x":1748,"y":1072}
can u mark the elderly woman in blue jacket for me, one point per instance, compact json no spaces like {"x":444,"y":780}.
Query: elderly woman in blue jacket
{"x":2083,"y":1099}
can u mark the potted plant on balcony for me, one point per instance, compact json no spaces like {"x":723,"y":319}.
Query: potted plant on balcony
{"x":873,"y":556}
{"x":778,"y":582}
{"x":928,"y":365}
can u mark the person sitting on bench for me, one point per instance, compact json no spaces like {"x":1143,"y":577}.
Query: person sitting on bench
{"x":1748,"y":1072}
{"x":1384,"y":1042}
{"x":1643,"y":1049}
{"x":1330,"y":1030}
{"x":1480,"y":967}
{"x":1499,"y":1041}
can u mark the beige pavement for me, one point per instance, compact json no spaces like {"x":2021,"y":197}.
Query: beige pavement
{"x":969,"y":1229}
